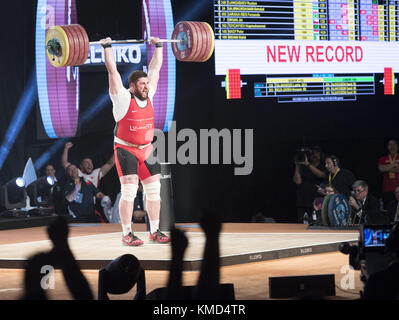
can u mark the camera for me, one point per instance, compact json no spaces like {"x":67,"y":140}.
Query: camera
{"x":370,"y":254}
{"x":301,"y":154}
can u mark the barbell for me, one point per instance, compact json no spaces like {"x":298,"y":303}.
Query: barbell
{"x":68,"y":45}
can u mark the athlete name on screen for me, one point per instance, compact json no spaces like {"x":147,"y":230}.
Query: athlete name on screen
{"x":123,"y":53}
{"x":313,"y":54}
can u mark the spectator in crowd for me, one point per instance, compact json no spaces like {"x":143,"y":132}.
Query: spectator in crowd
{"x":365,"y":208}
{"x":179,"y":243}
{"x":86,"y":168}
{"x":330,"y":189}
{"x":49,"y":171}
{"x":307,"y":176}
{"x":318,"y":202}
{"x":33,"y":290}
{"x":393,"y":207}
{"x":341,"y":179}
{"x":208,"y":287}
{"x":80,"y":195}
{"x":59,"y":257}
{"x":384,"y":285}
{"x":389,"y":166}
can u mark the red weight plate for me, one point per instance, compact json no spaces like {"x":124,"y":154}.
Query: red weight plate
{"x":203,"y":38}
{"x":209,"y":42}
{"x":197,"y":45}
{"x":78,"y":39}
{"x":73,"y":45}
{"x":86,"y":44}
{"x":76,"y":36}
{"x":81,"y":44}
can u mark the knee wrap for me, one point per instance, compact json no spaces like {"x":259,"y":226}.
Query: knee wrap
{"x":153,"y":190}
{"x":128,"y":191}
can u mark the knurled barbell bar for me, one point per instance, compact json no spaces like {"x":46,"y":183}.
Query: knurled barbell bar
{"x":68,"y":45}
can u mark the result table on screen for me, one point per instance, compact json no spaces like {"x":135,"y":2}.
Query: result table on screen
{"x":323,"y":20}
{"x":316,"y":85}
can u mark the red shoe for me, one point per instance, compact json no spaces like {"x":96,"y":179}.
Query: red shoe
{"x":159,"y":237}
{"x":131,"y":240}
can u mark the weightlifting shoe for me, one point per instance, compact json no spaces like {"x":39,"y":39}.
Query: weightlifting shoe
{"x":159,"y":237}
{"x":131,"y":240}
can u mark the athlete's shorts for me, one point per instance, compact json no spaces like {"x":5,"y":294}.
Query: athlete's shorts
{"x":130,"y":160}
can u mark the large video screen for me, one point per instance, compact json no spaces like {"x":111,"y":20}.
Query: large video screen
{"x":307,"y":50}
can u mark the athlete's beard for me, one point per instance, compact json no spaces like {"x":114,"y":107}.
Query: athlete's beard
{"x":140,"y":95}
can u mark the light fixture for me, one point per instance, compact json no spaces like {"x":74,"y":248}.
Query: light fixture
{"x":13,"y":198}
{"x":120,"y":276}
{"x":39,"y":192}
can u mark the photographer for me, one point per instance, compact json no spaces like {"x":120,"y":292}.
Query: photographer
{"x":309,"y":173}
{"x":384,"y":285}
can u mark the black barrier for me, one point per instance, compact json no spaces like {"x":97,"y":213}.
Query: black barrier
{"x":167,"y":219}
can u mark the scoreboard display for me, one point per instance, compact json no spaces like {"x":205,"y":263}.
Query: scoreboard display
{"x":308,"y":50}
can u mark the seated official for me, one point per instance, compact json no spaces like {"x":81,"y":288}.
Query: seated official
{"x":365,"y":208}
{"x":80,"y":196}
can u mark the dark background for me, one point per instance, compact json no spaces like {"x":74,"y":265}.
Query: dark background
{"x":357,"y":132}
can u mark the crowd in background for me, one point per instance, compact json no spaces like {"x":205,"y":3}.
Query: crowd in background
{"x":317,"y":176}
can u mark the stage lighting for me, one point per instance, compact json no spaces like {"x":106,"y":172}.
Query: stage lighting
{"x":120,"y":276}
{"x":21,"y":113}
{"x":39,"y":192}
{"x":13,"y":198}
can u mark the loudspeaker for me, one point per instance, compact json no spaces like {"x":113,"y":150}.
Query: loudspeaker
{"x":226,"y":292}
{"x":313,"y":286}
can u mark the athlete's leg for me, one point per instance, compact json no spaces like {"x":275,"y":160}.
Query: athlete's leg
{"x":150,"y":175}
{"x":152,"y":189}
{"x":129,"y":186}
{"x":126,"y":164}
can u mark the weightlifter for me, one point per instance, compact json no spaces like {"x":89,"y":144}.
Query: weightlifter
{"x":134,"y":132}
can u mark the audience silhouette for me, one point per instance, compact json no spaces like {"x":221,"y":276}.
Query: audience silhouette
{"x":59,"y":257}
{"x":123,"y":273}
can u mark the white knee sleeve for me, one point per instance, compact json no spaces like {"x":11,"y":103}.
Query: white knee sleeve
{"x":129,"y":191}
{"x":153,"y":190}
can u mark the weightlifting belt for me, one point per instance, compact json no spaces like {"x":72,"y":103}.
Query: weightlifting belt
{"x":128,"y":144}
